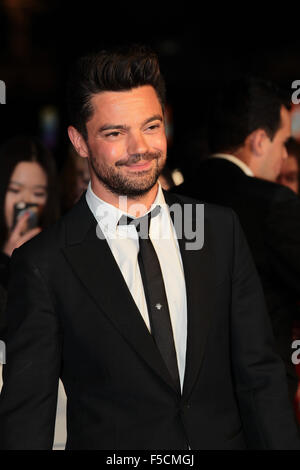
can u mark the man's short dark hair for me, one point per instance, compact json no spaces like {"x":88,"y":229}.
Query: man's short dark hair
{"x":239,"y":108}
{"x":117,"y":70}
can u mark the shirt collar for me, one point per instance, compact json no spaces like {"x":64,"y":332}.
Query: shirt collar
{"x":108,"y":215}
{"x":236,"y":161}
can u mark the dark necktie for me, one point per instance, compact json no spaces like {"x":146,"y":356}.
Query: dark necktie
{"x":155,"y":293}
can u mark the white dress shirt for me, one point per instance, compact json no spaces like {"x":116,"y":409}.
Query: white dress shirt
{"x":236,"y":161}
{"x":124,"y":244}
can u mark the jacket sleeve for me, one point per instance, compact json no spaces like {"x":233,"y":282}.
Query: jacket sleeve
{"x":266,"y":412}
{"x":32,"y":336}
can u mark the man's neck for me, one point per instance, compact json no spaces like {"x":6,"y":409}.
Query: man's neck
{"x":233,"y":158}
{"x":134,"y":206}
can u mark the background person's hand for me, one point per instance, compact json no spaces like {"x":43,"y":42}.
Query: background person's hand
{"x":20,"y":234}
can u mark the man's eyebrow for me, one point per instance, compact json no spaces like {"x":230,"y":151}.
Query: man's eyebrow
{"x":109,"y":127}
{"x":155,"y":117}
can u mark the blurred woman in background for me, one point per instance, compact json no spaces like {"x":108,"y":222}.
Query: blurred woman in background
{"x":27,"y":176}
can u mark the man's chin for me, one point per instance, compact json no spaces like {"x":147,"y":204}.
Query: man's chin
{"x":133,"y":190}
{"x":137,"y":183}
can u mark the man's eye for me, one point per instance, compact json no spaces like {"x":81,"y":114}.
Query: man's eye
{"x":39,"y":194}
{"x":154,"y":126}
{"x":13,"y":190}
{"x":113,"y":134}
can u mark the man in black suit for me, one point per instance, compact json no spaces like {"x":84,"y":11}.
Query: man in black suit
{"x":249,"y":125}
{"x":81,"y":296}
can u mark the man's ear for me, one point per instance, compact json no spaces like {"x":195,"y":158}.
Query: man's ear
{"x":78,"y":142}
{"x":258,"y":141}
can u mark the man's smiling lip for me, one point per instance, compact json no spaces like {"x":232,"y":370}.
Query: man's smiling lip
{"x":142,"y":165}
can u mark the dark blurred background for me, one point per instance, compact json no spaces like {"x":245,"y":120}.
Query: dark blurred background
{"x":39,"y":40}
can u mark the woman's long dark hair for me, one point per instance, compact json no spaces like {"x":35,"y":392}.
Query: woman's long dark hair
{"x":28,"y":149}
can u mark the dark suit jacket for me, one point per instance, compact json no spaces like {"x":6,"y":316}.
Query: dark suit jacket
{"x":71,"y":315}
{"x":270,"y":216}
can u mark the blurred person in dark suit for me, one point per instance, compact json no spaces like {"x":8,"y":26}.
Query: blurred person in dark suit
{"x":27,"y":176}
{"x":290,"y":170}
{"x":138,"y":374}
{"x":249,"y":126}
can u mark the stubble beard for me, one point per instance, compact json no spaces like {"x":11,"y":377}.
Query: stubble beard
{"x":134,"y":185}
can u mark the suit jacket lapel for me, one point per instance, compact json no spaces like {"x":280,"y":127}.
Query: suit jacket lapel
{"x":93,"y":262}
{"x":198,"y":269}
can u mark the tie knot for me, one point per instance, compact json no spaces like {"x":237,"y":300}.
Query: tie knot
{"x":142,"y":224}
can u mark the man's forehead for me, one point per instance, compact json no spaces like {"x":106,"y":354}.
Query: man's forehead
{"x":120,"y":107}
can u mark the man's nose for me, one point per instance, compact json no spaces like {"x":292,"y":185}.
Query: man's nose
{"x":137,"y":144}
